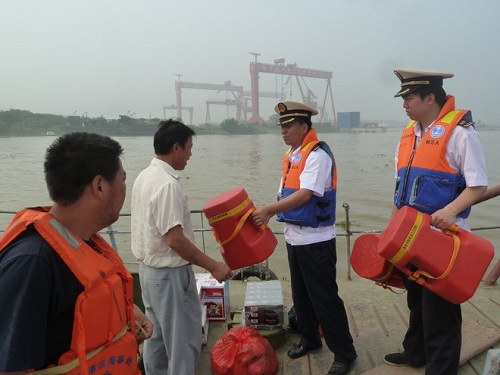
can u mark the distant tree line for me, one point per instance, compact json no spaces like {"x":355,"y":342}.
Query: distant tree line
{"x":19,"y":123}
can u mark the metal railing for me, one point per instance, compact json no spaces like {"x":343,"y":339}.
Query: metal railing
{"x":111,"y":233}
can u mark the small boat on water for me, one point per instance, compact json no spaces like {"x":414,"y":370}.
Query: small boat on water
{"x":49,"y":133}
{"x":370,"y":128}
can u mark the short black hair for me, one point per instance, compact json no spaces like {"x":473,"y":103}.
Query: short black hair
{"x":169,"y":133}
{"x":305,"y":120}
{"x":74,"y":159}
{"x":439,"y":93}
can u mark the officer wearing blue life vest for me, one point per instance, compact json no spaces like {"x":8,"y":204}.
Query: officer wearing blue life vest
{"x":306,"y":204}
{"x":440,"y":170}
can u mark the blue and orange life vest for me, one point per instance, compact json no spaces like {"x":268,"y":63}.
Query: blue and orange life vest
{"x":102,"y":341}
{"x":425,"y":179}
{"x":319,"y":211}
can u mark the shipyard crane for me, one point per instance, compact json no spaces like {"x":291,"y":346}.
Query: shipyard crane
{"x":245,"y":108}
{"x":279,"y":67}
{"x":239,"y":96}
{"x":226,"y":102}
{"x":235,"y":91}
{"x":174,"y":107}
{"x":247,"y":97}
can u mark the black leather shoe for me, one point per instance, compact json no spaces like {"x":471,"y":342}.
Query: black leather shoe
{"x":339,"y":368}
{"x":400,"y":359}
{"x":396,"y":359}
{"x":298,"y":351}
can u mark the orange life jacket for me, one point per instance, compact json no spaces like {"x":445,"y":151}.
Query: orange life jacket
{"x":319,"y":211}
{"x":425,"y":179}
{"x":102,"y":341}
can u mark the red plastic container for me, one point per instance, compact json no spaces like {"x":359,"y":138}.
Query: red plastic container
{"x":366,"y":262}
{"x":243,"y":243}
{"x":452,"y":263}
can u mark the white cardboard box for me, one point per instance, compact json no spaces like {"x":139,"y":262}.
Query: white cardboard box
{"x":198,"y":286}
{"x":264,"y":307}
{"x":492,"y":364}
{"x":215,"y":296}
{"x":204,"y":325}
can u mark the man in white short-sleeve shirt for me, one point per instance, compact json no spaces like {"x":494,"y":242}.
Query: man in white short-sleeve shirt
{"x":163,"y":240}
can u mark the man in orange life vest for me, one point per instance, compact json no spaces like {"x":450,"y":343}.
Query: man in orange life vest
{"x":306,"y":204}
{"x":440,"y":170}
{"x":65,"y":295}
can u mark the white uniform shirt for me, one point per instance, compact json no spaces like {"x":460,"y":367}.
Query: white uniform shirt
{"x":465,"y":154}
{"x":317,"y":177}
{"x":158,"y":204}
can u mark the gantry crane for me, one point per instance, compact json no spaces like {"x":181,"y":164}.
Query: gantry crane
{"x":245,"y":107}
{"x":235,"y":91}
{"x":226,"y":102}
{"x":247,"y":100}
{"x":189,"y":109}
{"x":279,"y":67}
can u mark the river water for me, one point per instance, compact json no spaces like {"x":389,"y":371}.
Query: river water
{"x":221,"y":162}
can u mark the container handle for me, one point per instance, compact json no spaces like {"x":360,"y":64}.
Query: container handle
{"x":238,"y":227}
{"x":383,"y":281}
{"x":417,"y":275}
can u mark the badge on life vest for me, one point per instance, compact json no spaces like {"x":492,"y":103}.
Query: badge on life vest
{"x":297,"y":158}
{"x":437,"y":131}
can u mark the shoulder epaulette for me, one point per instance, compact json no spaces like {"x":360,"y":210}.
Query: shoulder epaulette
{"x":465,"y":124}
{"x":318,"y":145}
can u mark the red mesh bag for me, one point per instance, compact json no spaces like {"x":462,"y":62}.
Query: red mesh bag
{"x":242,"y":350}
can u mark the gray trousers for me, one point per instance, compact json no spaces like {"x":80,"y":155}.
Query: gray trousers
{"x":172,"y":303}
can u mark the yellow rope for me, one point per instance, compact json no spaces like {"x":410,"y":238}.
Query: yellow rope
{"x":62,"y":369}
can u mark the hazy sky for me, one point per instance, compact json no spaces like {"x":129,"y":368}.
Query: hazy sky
{"x":112,"y":57}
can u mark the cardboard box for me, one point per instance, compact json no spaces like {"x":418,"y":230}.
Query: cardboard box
{"x":492,"y":364}
{"x":204,"y":325}
{"x":215,"y":296}
{"x":198,"y":286}
{"x":264,"y":307}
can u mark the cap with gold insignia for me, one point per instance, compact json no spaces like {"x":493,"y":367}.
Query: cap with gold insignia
{"x":290,"y":110}
{"x":413,"y":79}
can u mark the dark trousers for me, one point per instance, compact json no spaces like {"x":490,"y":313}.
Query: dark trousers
{"x":434,"y":336}
{"x":316,"y":300}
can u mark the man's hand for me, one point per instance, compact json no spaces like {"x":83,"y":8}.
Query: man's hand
{"x":443,"y":219}
{"x":144,"y":326}
{"x":221,"y":272}
{"x":260,"y":216}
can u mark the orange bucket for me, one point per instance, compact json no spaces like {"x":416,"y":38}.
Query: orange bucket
{"x":366,"y":262}
{"x":451,"y":263}
{"x":243,"y":243}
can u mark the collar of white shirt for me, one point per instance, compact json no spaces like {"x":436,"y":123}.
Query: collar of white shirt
{"x":167,"y":167}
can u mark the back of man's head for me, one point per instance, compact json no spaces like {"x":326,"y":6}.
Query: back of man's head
{"x":75,"y":159}
{"x":169,"y":133}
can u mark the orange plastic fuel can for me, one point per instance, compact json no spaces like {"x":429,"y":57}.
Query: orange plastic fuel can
{"x":451,"y":263}
{"x":243,"y":243}
{"x":368,"y":263}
